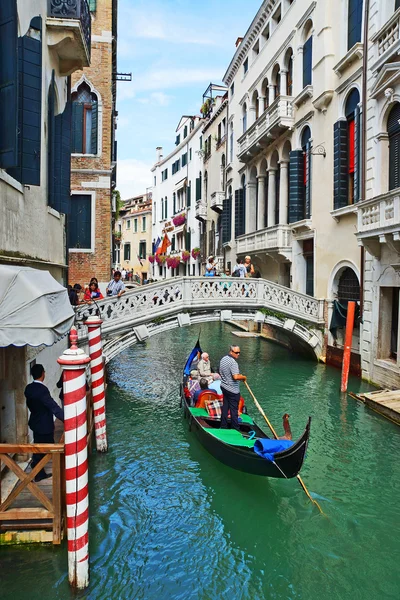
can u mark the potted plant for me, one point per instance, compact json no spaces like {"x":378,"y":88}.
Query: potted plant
{"x":160,"y":259}
{"x":196,"y":253}
{"x":152,"y":258}
{"x":185,"y":255}
{"x":179,"y":220}
{"x":173,"y":261}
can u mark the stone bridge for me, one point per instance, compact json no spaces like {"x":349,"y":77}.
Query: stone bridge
{"x":184,"y":301}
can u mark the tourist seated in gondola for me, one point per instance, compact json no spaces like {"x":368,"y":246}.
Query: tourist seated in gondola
{"x":203,"y":387}
{"x":204,"y":368}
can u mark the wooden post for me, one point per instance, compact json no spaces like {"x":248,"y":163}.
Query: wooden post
{"x":98,"y":390}
{"x":74,"y":362}
{"x":351,"y":309}
{"x":57,"y":499}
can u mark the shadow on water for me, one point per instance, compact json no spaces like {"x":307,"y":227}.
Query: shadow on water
{"x":170,"y":522}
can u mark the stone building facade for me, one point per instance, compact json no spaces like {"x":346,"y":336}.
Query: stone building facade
{"x":134,"y":237}
{"x":93,"y":163}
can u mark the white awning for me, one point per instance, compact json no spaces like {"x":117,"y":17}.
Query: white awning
{"x":34,"y":307}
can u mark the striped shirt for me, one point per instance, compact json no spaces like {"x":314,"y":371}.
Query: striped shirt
{"x":228,"y":367}
{"x":115,"y":287}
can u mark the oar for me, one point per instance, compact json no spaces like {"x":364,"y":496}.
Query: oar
{"x":276,"y":437}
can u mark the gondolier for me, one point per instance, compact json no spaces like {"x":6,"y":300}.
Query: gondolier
{"x":230,"y":386}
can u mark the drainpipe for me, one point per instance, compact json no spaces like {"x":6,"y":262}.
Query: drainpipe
{"x":364,"y":142}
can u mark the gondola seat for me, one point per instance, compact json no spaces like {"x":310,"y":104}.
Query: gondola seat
{"x":206,"y":396}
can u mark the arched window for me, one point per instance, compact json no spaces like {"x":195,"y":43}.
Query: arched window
{"x":84,"y":120}
{"x":289,"y":83}
{"x":231,"y":142}
{"x":226,"y":217}
{"x":223,"y":172}
{"x":307,"y":55}
{"x":352,"y":117}
{"x":354,"y":21}
{"x":244,"y":110}
{"x":240,"y":208}
{"x":393,"y":128}
{"x":349,"y":286}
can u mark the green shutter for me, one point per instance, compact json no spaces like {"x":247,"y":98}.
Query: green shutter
{"x":188,"y":240}
{"x":94,"y":132}
{"x":174,"y":203}
{"x":62,"y":161}
{"x":357,"y":157}
{"x":77,"y":127}
{"x":307,"y":62}
{"x":340,"y":164}
{"x":8,"y":84}
{"x":198,"y":188}
{"x":296,"y":186}
{"x":188,"y":194}
{"x":307,"y":159}
{"x":240,"y":212}
{"x":92,"y":5}
{"x":226,"y":220}
{"x":51,"y":144}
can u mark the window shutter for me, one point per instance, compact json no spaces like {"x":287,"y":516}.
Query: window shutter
{"x":188,"y":194}
{"x":239,"y":212}
{"x":307,"y":164}
{"x":296,"y":186}
{"x":62,"y":162}
{"x":340,"y":164}
{"x":357,"y":158}
{"x":307,"y":62}
{"x":77,"y":127}
{"x":198,"y":188}
{"x":30,"y":107}
{"x":94,"y":132}
{"x":394,"y":161}
{"x":8,"y":84}
{"x":188,"y":240}
{"x":354,"y":22}
{"x":226,"y":220}
{"x":80,"y":222}
{"x":173,"y":244}
{"x":51,"y":144}
{"x":166,"y":209}
{"x":174,"y":203}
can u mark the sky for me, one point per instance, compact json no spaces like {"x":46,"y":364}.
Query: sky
{"x":174,"y":49}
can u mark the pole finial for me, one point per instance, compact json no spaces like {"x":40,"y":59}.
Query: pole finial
{"x":73,"y":337}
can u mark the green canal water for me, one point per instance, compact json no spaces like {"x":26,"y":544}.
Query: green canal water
{"x":170,"y":522}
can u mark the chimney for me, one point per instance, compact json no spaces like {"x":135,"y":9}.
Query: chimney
{"x":238,"y":42}
{"x":159,"y":151}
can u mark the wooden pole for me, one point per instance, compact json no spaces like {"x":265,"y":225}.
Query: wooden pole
{"x":351,"y":309}
{"x":98,"y":390}
{"x":299,"y":479}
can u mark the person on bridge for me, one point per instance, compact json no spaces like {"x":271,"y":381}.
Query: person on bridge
{"x":42,"y":407}
{"x":230,"y":386}
{"x":116,"y":287}
{"x":249,"y":266}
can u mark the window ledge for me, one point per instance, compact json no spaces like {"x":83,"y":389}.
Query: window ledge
{"x":304,"y":95}
{"x":345,"y":210}
{"x":387,"y":364}
{"x":4,"y":176}
{"x":81,"y":250}
{"x":303,"y":225}
{"x":79,"y":155}
{"x":355,"y":53}
{"x":54,"y":212}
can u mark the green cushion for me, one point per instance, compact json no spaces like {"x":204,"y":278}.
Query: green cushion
{"x":231,"y":436}
{"x":202,"y":412}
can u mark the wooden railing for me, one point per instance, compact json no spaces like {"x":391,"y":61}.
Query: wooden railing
{"x":51,"y":507}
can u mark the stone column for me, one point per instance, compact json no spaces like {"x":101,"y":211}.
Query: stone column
{"x":271,"y":94}
{"x":271,"y":196}
{"x":261,"y":105}
{"x":283,"y":82}
{"x":261,"y":202}
{"x":251,"y":202}
{"x":251,"y":116}
{"x":284,"y":192}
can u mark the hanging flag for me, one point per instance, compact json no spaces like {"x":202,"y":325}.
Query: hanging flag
{"x":165,"y":244}
{"x":159,"y":247}
{"x":156,"y":244}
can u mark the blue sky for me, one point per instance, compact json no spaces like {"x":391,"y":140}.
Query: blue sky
{"x":174,"y":49}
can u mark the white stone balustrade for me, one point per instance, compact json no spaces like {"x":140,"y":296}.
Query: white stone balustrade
{"x":380,"y":214}
{"x":217,"y":199}
{"x":198,"y":295}
{"x":270,"y":238}
{"x":279,"y":114}
{"x":389,"y":34}
{"x":201,"y":210}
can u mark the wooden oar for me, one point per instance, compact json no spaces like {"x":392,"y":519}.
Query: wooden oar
{"x":276,"y":437}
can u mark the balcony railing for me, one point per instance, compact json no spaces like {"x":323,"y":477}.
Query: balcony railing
{"x":217,"y":199}
{"x":61,"y":11}
{"x":277,"y":238}
{"x":379,"y":215}
{"x":201,"y":210}
{"x":275,"y":119}
{"x":389,"y":34}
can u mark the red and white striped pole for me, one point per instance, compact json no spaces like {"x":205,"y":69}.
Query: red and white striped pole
{"x":73,"y":363}
{"x":98,"y":390}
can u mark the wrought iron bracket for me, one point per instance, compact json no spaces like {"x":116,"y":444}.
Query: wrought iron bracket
{"x":318,"y":151}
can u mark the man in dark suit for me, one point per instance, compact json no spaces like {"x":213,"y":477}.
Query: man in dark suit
{"x":42,"y":407}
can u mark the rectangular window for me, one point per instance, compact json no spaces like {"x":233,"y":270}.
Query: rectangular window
{"x":155,"y":181}
{"x":164,"y":175}
{"x":232,"y":90}
{"x":201,"y":142}
{"x":127,"y":252}
{"x":142,"y":249}
{"x":190,"y":154}
{"x":178,"y":140}
{"x":245,"y":66}
{"x":80,"y":222}
{"x":185,"y":132}
{"x":135,"y":225}
{"x":184,"y":159}
{"x":154,"y":213}
{"x":143,"y":223}
{"x":256,"y":49}
{"x":266,"y":33}
{"x":355,"y":14}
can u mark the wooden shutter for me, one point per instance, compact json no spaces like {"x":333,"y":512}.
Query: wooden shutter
{"x":166,"y":209}
{"x":62,"y":161}
{"x":296,"y":186}
{"x":51,"y":143}
{"x":340,"y":164}
{"x":77,"y":127}
{"x":240,"y":212}
{"x":198,"y":188}
{"x":393,"y":128}
{"x":188,"y":194}
{"x":188,"y":240}
{"x":357,"y":156}
{"x":307,"y":62}
{"x":308,"y":173}
{"x":226,"y":220}
{"x":29,"y":107}
{"x":354,"y":22}
{"x":94,"y":132}
{"x":8,"y":84}
{"x":174,"y":203}
{"x":173,"y":244}
{"x":80,"y":222}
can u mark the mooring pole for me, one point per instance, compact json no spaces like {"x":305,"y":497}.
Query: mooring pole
{"x":73,"y":363}
{"x":98,"y":389}
{"x":351,"y":309}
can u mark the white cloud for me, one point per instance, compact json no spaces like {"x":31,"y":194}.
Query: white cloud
{"x":133,"y":177}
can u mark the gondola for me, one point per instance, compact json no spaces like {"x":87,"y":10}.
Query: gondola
{"x":236,"y":449}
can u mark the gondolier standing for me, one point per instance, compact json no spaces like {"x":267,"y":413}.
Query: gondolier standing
{"x":230,"y":382}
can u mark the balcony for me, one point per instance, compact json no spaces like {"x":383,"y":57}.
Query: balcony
{"x":201,"y":211}
{"x":379,"y":222}
{"x":273,"y":122}
{"x":276,"y":240}
{"x":69,"y":27}
{"x":387,"y":40}
{"x":217,"y":199}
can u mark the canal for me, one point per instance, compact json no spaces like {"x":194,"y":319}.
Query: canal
{"x":168,"y":522}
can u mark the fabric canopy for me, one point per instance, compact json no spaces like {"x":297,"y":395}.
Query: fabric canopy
{"x":34,"y":308}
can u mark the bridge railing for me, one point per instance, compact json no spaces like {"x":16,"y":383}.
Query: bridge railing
{"x":170,"y":296}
